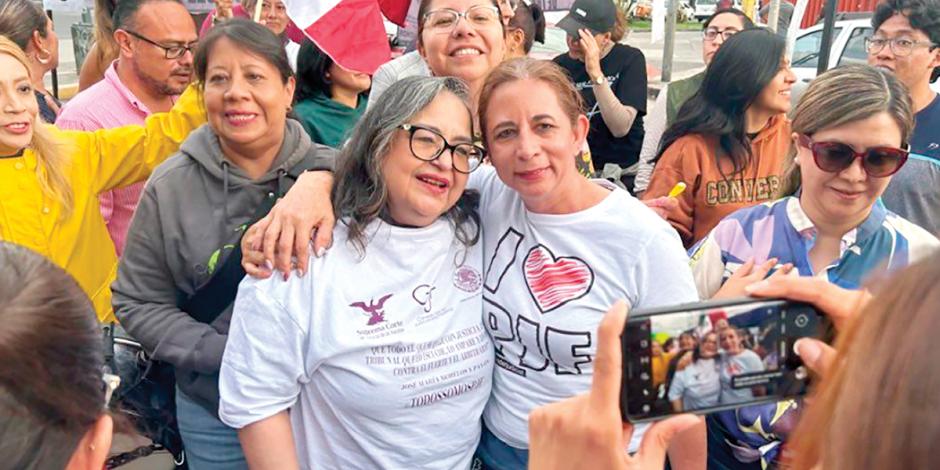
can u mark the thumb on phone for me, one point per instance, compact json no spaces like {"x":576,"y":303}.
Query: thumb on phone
{"x":817,"y":355}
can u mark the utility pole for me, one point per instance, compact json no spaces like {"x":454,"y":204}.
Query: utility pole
{"x":829,"y":23}
{"x":773,"y":17}
{"x":669,"y":42}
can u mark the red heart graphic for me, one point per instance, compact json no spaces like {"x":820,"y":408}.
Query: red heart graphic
{"x":553,"y":281}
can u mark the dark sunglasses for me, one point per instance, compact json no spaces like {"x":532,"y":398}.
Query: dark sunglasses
{"x":833,"y":157}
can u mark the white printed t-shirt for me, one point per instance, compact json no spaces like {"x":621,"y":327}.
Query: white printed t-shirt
{"x":383,"y":362}
{"x":549,"y":280}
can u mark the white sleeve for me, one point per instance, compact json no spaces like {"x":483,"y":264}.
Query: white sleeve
{"x":708,"y":267}
{"x":677,"y":388}
{"x":655,"y":126}
{"x":663,"y":277}
{"x":263,"y":367}
{"x":381,"y":80}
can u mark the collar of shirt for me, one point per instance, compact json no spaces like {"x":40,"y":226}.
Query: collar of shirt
{"x":857,"y":236}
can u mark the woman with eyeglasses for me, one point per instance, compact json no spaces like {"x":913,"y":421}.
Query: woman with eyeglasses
{"x":611,"y":78}
{"x":850,"y":134}
{"x":717,"y":29}
{"x":377,"y":357}
{"x":729,"y":141}
{"x":25,"y":23}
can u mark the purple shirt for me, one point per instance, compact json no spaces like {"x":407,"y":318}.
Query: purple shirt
{"x":105,"y":105}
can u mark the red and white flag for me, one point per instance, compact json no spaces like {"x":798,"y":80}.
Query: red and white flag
{"x":351,"y":32}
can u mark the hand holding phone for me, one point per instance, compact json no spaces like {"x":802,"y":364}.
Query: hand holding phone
{"x":586,"y":431}
{"x":742,"y":354}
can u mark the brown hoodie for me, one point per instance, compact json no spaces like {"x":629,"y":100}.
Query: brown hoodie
{"x":710,"y":196}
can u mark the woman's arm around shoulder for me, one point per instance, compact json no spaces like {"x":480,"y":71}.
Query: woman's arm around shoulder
{"x":121,"y":156}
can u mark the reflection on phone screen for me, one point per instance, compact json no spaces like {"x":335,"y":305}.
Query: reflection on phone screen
{"x":718,"y":358}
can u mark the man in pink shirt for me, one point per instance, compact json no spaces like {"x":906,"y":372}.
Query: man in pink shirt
{"x":155,"y":64}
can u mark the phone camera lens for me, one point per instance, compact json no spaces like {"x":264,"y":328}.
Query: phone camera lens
{"x":646,"y":408}
{"x":801,"y":320}
{"x":800,"y":373}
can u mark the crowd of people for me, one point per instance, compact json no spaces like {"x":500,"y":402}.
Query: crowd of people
{"x":416,"y":268}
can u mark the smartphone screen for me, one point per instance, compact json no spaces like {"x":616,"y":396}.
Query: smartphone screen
{"x":722,"y":355}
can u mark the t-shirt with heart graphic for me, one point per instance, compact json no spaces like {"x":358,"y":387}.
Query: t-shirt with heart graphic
{"x":548,"y":280}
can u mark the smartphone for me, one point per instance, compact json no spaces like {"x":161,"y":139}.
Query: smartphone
{"x":727,"y":354}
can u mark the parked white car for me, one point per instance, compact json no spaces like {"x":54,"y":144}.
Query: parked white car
{"x":848,"y":47}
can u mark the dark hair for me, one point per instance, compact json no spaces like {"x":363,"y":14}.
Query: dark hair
{"x":740,"y":70}
{"x":531,"y":20}
{"x":18,"y":20}
{"x":312,"y":67}
{"x":922,"y":14}
{"x":360,"y":194}
{"x":126,"y":11}
{"x":51,"y":387}
{"x":697,"y":352}
{"x":746,"y":22}
{"x":250,"y":36}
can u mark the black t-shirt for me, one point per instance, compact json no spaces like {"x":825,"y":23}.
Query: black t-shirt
{"x":625,"y":69}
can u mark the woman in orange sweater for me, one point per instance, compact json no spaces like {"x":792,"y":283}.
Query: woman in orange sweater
{"x":730,"y":139}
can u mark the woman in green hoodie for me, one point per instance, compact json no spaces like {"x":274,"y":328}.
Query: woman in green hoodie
{"x":330,"y":99}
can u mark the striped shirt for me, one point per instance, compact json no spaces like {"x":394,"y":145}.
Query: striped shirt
{"x":105,"y":105}
{"x":781,"y":229}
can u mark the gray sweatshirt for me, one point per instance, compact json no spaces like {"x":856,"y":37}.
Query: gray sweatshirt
{"x":191,"y":214}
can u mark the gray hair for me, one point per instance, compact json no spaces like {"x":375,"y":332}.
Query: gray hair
{"x":361,"y":195}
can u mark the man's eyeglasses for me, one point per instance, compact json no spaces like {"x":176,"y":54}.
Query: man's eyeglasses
{"x":445,"y":20}
{"x":428,"y":145}
{"x":833,"y":157}
{"x":711,"y":34}
{"x":901,"y":47}
{"x":170,"y":52}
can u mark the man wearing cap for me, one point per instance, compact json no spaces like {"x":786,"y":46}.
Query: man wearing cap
{"x":612,"y":80}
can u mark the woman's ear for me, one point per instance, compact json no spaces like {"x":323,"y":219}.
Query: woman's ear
{"x":94,"y":447}
{"x":35,"y":43}
{"x":289,"y":88}
{"x":581,"y":127}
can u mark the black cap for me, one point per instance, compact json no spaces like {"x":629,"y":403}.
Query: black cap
{"x":599,"y":16}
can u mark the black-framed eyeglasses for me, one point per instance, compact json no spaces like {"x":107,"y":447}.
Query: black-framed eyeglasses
{"x":901,"y":47}
{"x":834,"y":157}
{"x":170,"y":52}
{"x":428,"y":145}
{"x":712,"y":33}
{"x":444,"y":20}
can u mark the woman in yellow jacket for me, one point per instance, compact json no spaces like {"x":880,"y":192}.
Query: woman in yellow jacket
{"x":50,"y":179}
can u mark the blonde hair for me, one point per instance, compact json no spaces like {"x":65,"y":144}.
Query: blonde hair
{"x":52,"y":162}
{"x":105,"y":46}
{"x":844,"y":95}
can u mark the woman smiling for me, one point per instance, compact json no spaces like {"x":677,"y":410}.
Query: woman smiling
{"x":191,"y":217}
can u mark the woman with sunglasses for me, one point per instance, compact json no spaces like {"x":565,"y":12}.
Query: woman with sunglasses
{"x":850,"y":132}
